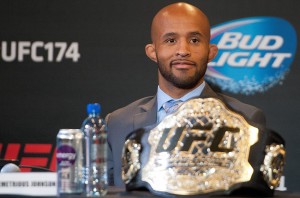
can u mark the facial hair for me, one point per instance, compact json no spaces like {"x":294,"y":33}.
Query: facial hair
{"x":187,"y":83}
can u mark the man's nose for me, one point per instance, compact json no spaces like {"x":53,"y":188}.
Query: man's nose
{"x":183,"y":49}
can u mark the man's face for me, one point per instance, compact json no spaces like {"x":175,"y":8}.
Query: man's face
{"x":181,"y":46}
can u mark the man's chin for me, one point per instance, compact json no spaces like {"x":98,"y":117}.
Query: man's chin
{"x":185,"y":84}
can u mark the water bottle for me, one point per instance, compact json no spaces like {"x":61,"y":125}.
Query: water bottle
{"x":95,"y":180}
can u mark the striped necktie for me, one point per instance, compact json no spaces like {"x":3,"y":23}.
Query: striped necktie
{"x":171,"y":106}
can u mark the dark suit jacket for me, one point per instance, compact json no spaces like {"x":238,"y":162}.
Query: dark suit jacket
{"x":143,"y":112}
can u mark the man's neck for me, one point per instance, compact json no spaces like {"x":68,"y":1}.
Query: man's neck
{"x":176,"y":92}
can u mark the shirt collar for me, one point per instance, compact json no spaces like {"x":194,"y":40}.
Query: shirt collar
{"x":162,"y":97}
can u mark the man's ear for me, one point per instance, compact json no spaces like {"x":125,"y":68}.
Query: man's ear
{"x":150,"y":51}
{"x":213,"y":51}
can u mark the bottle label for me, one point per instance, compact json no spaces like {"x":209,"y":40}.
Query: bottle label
{"x":99,"y":149}
{"x":66,"y":156}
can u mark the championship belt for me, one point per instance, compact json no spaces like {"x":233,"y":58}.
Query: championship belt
{"x":203,"y":148}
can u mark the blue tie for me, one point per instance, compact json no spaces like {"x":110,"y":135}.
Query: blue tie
{"x":171,"y":106}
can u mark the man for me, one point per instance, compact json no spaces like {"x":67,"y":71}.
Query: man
{"x":180,"y":46}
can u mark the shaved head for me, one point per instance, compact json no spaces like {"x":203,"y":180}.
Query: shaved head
{"x":180,"y":10}
{"x":181,"y":47}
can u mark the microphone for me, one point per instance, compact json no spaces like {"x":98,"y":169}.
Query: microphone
{"x":10,"y":168}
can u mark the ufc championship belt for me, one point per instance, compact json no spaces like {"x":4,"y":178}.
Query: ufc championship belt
{"x":203,"y":149}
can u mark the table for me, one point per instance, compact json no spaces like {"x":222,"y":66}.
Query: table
{"x":115,"y":192}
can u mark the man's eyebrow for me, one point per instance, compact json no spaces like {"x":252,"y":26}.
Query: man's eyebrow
{"x":196,"y":34}
{"x":169,"y":34}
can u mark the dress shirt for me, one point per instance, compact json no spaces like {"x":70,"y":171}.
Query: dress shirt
{"x":162,"y":97}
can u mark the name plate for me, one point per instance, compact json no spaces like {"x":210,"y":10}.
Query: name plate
{"x":30,"y":184}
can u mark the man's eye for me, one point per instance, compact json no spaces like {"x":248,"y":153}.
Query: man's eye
{"x":170,"y":41}
{"x":194,"y":40}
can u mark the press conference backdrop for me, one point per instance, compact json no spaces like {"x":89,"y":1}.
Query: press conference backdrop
{"x":57,"y":56}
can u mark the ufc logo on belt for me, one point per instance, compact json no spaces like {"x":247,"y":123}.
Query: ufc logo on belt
{"x":199,"y":136}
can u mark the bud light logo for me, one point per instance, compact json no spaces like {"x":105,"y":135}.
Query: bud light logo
{"x":254,"y":55}
{"x":65,"y":156}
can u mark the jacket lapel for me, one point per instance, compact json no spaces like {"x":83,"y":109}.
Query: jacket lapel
{"x":146,"y":115}
{"x":208,"y":92}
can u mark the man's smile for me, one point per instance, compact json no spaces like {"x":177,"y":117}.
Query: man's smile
{"x":182,"y":64}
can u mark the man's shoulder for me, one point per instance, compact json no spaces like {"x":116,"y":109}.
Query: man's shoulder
{"x":132,"y":107}
{"x":250,"y":112}
{"x":231,"y":101}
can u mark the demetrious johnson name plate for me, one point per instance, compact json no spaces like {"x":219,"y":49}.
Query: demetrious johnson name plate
{"x":203,"y":148}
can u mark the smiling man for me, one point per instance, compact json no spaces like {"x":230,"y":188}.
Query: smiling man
{"x":181,"y":48}
{"x":180,"y":35}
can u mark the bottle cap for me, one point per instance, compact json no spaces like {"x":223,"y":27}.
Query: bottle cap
{"x":94,"y":108}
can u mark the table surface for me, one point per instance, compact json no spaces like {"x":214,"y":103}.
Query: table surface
{"x":115,"y":192}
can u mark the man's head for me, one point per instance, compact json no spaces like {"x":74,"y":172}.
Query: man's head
{"x":180,"y":46}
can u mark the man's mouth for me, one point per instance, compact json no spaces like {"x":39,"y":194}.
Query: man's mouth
{"x":182,"y":64}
